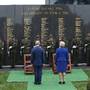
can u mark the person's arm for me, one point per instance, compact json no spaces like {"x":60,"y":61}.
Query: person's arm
{"x":43,"y":55}
{"x":67,"y":56}
{"x":56,"y":56}
{"x":32,"y":56}
{"x":69,"y":59}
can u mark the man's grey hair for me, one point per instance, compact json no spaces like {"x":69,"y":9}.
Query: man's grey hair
{"x":62,"y":44}
{"x":37,"y":42}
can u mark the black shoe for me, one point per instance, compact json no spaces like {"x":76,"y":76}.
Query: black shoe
{"x":60,"y":82}
{"x":39,"y":83}
{"x":35,"y":83}
{"x":63,"y":82}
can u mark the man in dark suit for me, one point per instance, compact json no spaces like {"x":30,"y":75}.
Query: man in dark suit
{"x":37,"y":58}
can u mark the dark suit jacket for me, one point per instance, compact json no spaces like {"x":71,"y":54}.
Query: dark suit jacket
{"x":37,"y":56}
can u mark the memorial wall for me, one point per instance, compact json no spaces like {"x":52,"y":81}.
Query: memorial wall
{"x":21,"y":25}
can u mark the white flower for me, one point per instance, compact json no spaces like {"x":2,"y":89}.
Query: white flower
{"x":10,"y":47}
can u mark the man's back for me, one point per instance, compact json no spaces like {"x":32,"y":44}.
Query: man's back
{"x":37,"y":55}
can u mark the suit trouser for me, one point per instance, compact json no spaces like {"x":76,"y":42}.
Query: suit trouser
{"x":38,"y":73}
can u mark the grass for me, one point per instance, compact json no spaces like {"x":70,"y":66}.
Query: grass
{"x":88,"y":73}
{"x":80,"y":85}
{"x":4,"y":85}
{"x":83,"y":85}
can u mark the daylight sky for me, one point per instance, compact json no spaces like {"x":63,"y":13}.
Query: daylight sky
{"x":10,"y":2}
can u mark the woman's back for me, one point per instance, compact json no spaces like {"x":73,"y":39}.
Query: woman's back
{"x":62,"y":54}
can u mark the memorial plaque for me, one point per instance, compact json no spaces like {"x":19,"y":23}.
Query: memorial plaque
{"x":10,"y":31}
{"x":44,"y":31}
{"x":27,"y":30}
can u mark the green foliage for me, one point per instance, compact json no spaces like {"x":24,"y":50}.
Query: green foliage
{"x":88,"y":85}
{"x":83,"y":85}
{"x":88,"y":73}
{"x":80,"y":85}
